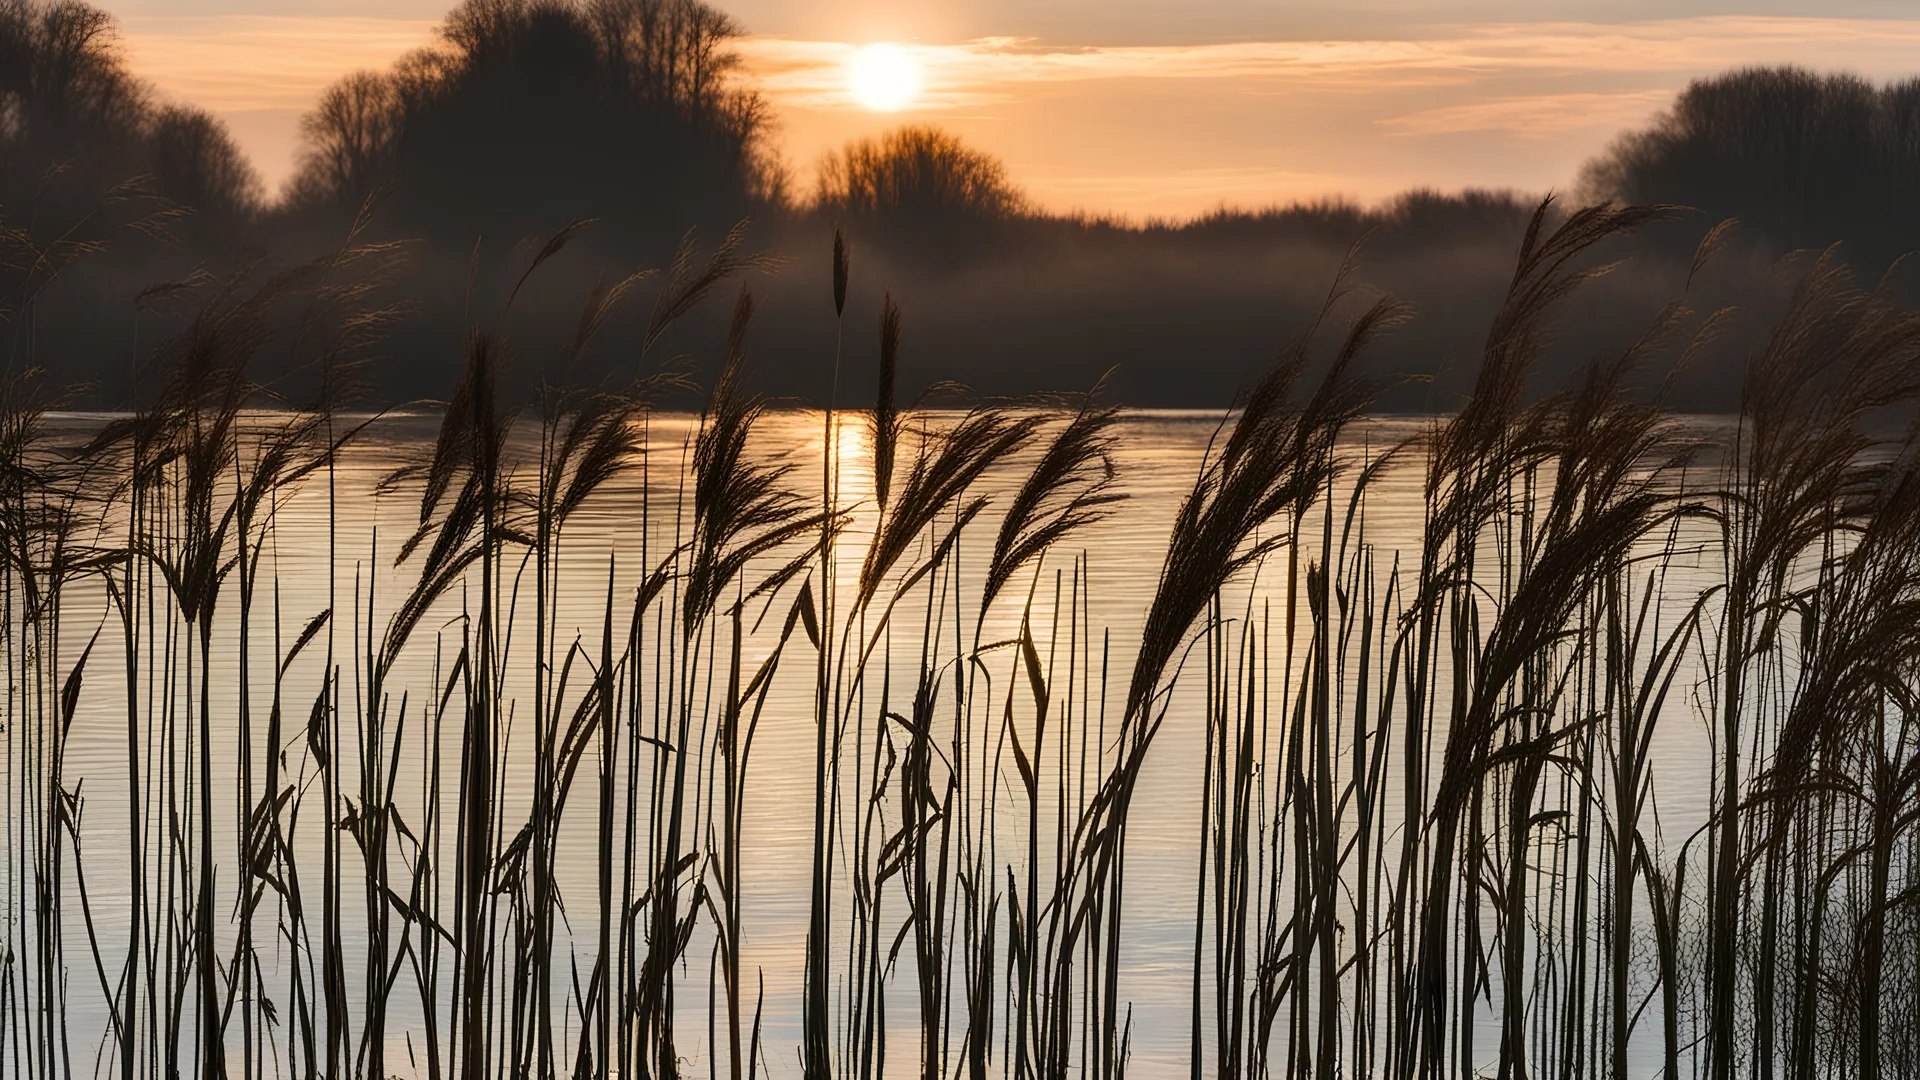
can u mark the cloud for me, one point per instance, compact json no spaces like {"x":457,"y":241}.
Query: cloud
{"x":252,"y":61}
{"x":811,"y":73}
{"x":1536,"y":116}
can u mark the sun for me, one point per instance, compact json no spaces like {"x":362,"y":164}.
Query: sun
{"x":883,"y":78}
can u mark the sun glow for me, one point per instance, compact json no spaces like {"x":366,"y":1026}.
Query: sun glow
{"x":883,"y":78}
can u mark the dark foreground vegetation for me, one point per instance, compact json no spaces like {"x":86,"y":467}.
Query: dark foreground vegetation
{"x":1434,"y":828}
{"x":1429,"y":831}
{"x":526,"y":115}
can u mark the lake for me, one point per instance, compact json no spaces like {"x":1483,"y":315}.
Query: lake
{"x":1259,"y":761}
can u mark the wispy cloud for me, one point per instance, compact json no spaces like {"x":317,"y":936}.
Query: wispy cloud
{"x":810,"y":74}
{"x":1535,"y":116}
{"x":262,"y":61}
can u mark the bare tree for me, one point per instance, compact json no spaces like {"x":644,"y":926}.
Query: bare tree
{"x":537,"y":109}
{"x":917,"y":171}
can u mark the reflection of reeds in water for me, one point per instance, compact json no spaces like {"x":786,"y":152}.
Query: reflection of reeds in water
{"x":1429,"y":838}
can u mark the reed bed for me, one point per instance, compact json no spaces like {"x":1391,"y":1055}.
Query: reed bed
{"x":418,"y":802}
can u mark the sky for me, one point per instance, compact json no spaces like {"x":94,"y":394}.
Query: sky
{"x":1132,"y":108}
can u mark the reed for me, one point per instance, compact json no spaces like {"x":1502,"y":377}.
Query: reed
{"x":519,"y":749}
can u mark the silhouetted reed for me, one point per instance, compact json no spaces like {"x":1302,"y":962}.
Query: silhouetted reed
{"x":1430,"y":838}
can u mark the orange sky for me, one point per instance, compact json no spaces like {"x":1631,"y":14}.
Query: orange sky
{"x":1142,"y":127}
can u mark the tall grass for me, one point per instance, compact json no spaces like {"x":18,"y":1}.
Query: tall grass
{"x":1439,"y":827}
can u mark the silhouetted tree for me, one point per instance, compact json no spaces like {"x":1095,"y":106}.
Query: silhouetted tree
{"x":1803,"y":159}
{"x":917,"y":173}
{"x":195,"y":163}
{"x":926,"y":196}
{"x":531,"y":112}
{"x":69,"y":106}
{"x":348,"y":135}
